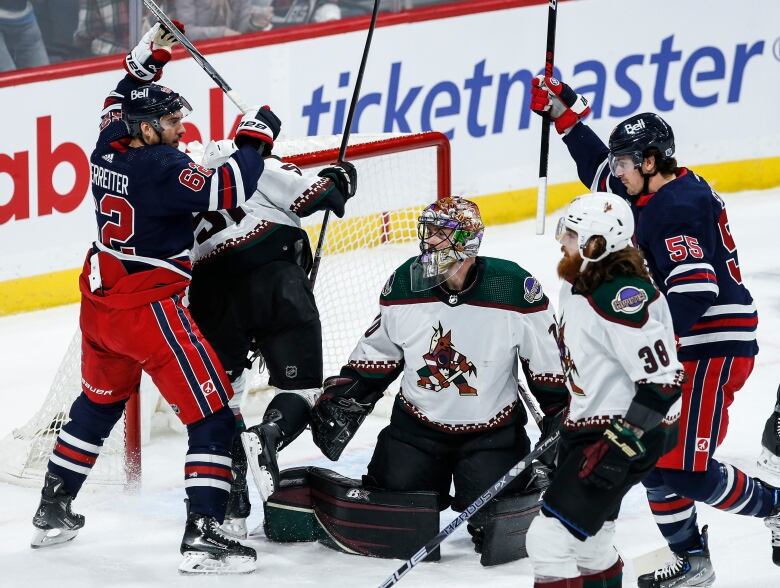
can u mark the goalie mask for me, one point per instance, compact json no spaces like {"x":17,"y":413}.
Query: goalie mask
{"x":604,"y":223}
{"x":450,"y":231}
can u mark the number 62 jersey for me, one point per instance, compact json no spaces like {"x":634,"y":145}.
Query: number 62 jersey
{"x":617,"y":337}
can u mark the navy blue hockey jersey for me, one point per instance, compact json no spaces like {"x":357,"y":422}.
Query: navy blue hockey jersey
{"x":683,"y":232}
{"x":145,"y":197}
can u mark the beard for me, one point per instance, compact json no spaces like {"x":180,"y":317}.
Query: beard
{"x":569,"y":267}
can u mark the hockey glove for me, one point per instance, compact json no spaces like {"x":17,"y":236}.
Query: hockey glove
{"x":344,"y":178}
{"x":146,"y":60}
{"x":607,"y":461}
{"x":339,"y":412}
{"x":565,"y":106}
{"x":259,"y":128}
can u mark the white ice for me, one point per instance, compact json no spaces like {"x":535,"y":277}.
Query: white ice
{"x":133,"y":539}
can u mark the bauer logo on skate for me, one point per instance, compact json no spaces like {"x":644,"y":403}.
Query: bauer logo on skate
{"x":629,"y":300}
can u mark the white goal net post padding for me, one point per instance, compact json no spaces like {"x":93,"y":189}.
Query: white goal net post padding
{"x":397,"y":176}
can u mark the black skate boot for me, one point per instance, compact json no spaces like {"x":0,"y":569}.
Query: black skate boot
{"x":54,"y":521}
{"x":769,"y":459}
{"x":207,"y":550}
{"x":261,"y":444}
{"x":773,"y":522}
{"x":690,"y":568}
{"x":238,"y":506}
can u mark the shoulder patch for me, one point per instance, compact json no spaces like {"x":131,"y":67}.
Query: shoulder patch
{"x":388,"y":287}
{"x":532,"y":290}
{"x":624,"y":301}
{"x":398,"y":287}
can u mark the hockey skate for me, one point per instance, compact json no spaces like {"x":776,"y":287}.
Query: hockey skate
{"x":773,"y":522}
{"x":769,"y":460}
{"x":207,"y":550}
{"x":690,"y":568}
{"x":238,"y":506}
{"x":260,"y":444}
{"x":54,"y":521}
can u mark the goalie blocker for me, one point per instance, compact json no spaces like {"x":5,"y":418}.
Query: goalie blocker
{"x":315,"y":504}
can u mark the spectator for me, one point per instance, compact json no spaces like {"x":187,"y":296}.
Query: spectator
{"x":103,"y":27}
{"x":294,"y":12}
{"x":21,"y":43}
{"x":220,"y":18}
{"x":57,"y":20}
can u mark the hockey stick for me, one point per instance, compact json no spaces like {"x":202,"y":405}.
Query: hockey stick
{"x":196,"y":55}
{"x":529,"y":404}
{"x":315,"y":266}
{"x":486,"y":497}
{"x":544,"y":149}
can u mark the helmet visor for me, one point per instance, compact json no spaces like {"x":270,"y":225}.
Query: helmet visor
{"x":624,"y":162}
{"x":179,"y":110}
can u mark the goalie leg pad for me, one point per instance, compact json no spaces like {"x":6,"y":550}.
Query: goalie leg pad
{"x":339,"y":512}
{"x":506,"y":523}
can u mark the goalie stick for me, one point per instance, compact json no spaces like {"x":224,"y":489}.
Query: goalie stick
{"x":160,"y":15}
{"x":486,"y":497}
{"x":315,"y":266}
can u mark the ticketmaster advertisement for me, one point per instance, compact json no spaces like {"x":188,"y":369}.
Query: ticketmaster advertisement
{"x":716,"y":80}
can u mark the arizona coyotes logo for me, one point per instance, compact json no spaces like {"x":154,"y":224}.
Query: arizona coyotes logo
{"x":445,"y":365}
{"x":558,"y":332}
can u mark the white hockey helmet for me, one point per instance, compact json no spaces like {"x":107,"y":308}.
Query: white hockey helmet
{"x":598,"y":214}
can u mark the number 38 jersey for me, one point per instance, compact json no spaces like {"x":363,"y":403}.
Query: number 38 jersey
{"x":611,"y":340}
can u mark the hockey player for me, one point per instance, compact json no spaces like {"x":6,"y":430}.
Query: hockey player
{"x":452,"y":324}
{"x":133,"y":306}
{"x":617,"y":348}
{"x":250,"y":288}
{"x":684,"y":234}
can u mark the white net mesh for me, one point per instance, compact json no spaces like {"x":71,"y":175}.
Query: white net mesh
{"x":396,"y":178}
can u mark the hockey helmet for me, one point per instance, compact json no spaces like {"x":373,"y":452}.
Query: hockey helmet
{"x":635,"y":135}
{"x":598,"y":215}
{"x":458,"y":225}
{"x":148,"y":103}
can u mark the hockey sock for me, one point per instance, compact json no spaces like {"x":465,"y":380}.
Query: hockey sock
{"x":675,"y":515}
{"x":545,"y":582}
{"x":612,"y":577}
{"x":207,"y":470}
{"x":81,"y":439}
{"x":295,"y":411}
{"x":734,"y":491}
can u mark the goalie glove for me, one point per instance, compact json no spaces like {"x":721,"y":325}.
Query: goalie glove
{"x":339,"y":412}
{"x":146,"y":60}
{"x":566,"y":107}
{"x":606,"y":462}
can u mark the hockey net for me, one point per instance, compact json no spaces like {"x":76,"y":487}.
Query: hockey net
{"x":397,"y":176}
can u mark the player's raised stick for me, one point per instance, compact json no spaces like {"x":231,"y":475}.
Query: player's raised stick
{"x":160,"y":15}
{"x":315,"y":268}
{"x":544,"y":149}
{"x":471,"y":509}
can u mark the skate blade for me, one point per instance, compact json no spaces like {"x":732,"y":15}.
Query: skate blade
{"x":769,"y":462}
{"x":253,"y":448}
{"x":196,"y":562}
{"x":235,"y":528}
{"x":49,"y":537}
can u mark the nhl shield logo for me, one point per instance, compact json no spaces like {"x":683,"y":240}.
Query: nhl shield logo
{"x":291,"y":371}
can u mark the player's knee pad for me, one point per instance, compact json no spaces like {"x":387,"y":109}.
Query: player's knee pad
{"x":91,"y":421}
{"x":315,"y":504}
{"x":597,"y":553}
{"x":214,"y":432}
{"x":697,"y":486}
{"x":551,"y":548}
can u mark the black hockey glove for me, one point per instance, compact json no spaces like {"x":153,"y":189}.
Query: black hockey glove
{"x":259,"y":127}
{"x":339,"y":412}
{"x":344,"y":178}
{"x":606,"y":461}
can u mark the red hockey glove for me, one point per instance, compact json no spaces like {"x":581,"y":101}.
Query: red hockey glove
{"x":565,"y":106}
{"x":146,"y":60}
{"x":607,"y":461}
{"x":259,"y":127}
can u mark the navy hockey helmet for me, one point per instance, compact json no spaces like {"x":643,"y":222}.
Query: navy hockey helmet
{"x":148,"y":103}
{"x":635,"y":135}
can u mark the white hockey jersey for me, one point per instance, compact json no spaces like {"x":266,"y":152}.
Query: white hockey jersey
{"x":611,"y":340}
{"x":459,"y":352}
{"x":284,"y":194}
